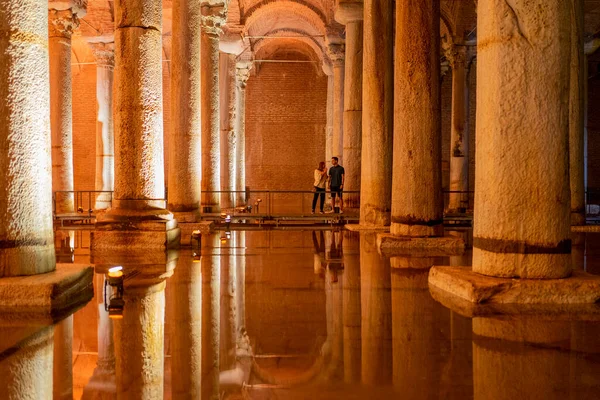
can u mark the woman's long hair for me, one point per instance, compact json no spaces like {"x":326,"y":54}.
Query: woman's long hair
{"x":321,"y":165}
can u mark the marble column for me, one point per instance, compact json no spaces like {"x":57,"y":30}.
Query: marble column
{"x":576,"y":115}
{"x":185,"y":293}
{"x":105,"y":140}
{"x":26,"y":237}
{"x":329,"y":111}
{"x":351,"y":15}
{"x":377,"y":116}
{"x":139,"y":342}
{"x":242,"y":73}
{"x":376,"y":313}
{"x":459,"y":132}
{"x":139,"y":159}
{"x":212,"y":20}
{"x":417,"y":202}
{"x":335,"y":50}
{"x":185,"y":158}
{"x":26,"y":370}
{"x":211,"y":322}
{"x":62,"y":387}
{"x":61,"y":24}
{"x":227,"y":81}
{"x":522,"y":203}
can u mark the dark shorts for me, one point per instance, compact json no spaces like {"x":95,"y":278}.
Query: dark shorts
{"x":336,"y":190}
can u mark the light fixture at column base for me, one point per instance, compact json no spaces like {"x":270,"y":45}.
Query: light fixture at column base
{"x":389,"y":244}
{"x":465,"y":285}
{"x":205,"y":227}
{"x":45,"y":298}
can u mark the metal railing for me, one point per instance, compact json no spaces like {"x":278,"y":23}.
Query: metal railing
{"x":83,"y":201}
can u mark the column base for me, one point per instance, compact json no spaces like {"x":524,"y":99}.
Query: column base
{"x":366,"y":228}
{"x":140,"y":267}
{"x":463,"y":283}
{"x":424,"y":246}
{"x":416,"y":231}
{"x":135,"y":231}
{"x":205,"y":227}
{"x":46,"y":298}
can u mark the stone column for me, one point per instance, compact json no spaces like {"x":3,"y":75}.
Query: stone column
{"x":139,"y":166}
{"x":377,"y":134}
{"x":522,"y":202}
{"x":139,"y":342}
{"x":576,"y":116}
{"x":105,"y":140}
{"x":212,"y":20}
{"x":417,"y":202}
{"x":351,"y":309}
{"x":227,"y":82}
{"x":335,"y":50}
{"x":351,"y":15}
{"x":62,"y":387}
{"x":26,"y":237}
{"x":459,"y":133}
{"x":185,"y":293}
{"x":26,"y":370}
{"x":329,"y":124}
{"x":211,"y":323}
{"x":376,"y":313}
{"x":242,"y":73}
{"x":62,"y":21}
{"x":185,"y":158}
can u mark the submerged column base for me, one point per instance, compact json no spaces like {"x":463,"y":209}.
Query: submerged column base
{"x":129,"y":230}
{"x":463,"y":283}
{"x":390,"y":244}
{"x":187,"y":228}
{"x":46,"y":296}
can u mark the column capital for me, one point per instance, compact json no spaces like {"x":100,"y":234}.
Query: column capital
{"x":336,"y":53}
{"x":347,"y":12}
{"x":456,"y":55}
{"x":242,"y":73}
{"x":62,"y":23}
{"x":213,"y":19}
{"x":104,"y":52}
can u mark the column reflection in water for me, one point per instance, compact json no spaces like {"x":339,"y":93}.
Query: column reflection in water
{"x":585,"y":352}
{"x":211,"y":292}
{"x":417,"y":329}
{"x":333,"y":304}
{"x":26,"y":362}
{"x":351,"y":308}
{"x":227,"y":307}
{"x":102,"y":384}
{"x":520,"y":357}
{"x":63,"y":359}
{"x":185,"y":304}
{"x":376,"y":313}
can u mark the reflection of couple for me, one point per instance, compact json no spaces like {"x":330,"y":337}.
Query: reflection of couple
{"x":333,"y":259}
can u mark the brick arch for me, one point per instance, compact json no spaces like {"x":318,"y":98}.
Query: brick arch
{"x":270,"y":48}
{"x":316,"y":44}
{"x":291,"y":14}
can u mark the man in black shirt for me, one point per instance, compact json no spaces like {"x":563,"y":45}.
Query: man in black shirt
{"x":336,"y":182}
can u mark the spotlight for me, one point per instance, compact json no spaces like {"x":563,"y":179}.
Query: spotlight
{"x":197,"y":236}
{"x":113,"y":301}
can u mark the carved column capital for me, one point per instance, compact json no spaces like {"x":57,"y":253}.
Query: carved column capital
{"x":62,"y":23}
{"x":336,"y":53}
{"x":456,"y":56}
{"x":213,"y":19}
{"x":242,"y":73}
{"x":104,"y":54}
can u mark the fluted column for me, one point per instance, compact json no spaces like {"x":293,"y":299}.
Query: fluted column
{"x":185,"y":158}
{"x":351,"y":15}
{"x":242,"y":73}
{"x":522,"y":202}
{"x":212,"y":20}
{"x":139,"y":159}
{"x":227,"y":82}
{"x":336,"y":55}
{"x":576,"y":115}
{"x":417,"y":203}
{"x":459,"y":131}
{"x":105,"y":140}
{"x":26,"y":237}
{"x":61,"y":24}
{"x":377,"y":117}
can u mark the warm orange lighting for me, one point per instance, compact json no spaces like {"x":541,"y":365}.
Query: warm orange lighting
{"x":115,"y":272}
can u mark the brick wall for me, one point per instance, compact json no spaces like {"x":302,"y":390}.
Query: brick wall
{"x":84,"y":126}
{"x":285,"y":126}
{"x":594,"y":125}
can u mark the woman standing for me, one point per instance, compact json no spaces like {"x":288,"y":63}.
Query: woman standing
{"x":320,"y":182}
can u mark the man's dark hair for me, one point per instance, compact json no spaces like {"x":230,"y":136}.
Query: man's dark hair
{"x":335,"y":158}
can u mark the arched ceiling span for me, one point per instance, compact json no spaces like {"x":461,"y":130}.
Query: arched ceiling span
{"x":284,"y":14}
{"x":284,"y":37}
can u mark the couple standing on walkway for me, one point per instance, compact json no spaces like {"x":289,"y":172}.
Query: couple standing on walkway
{"x":334,"y":180}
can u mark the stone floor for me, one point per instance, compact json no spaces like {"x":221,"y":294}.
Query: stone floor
{"x":325,"y":316}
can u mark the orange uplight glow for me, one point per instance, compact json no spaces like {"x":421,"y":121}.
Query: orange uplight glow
{"x":115,"y":272}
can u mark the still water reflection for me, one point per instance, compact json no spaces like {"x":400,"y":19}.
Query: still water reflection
{"x":296,"y":315}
